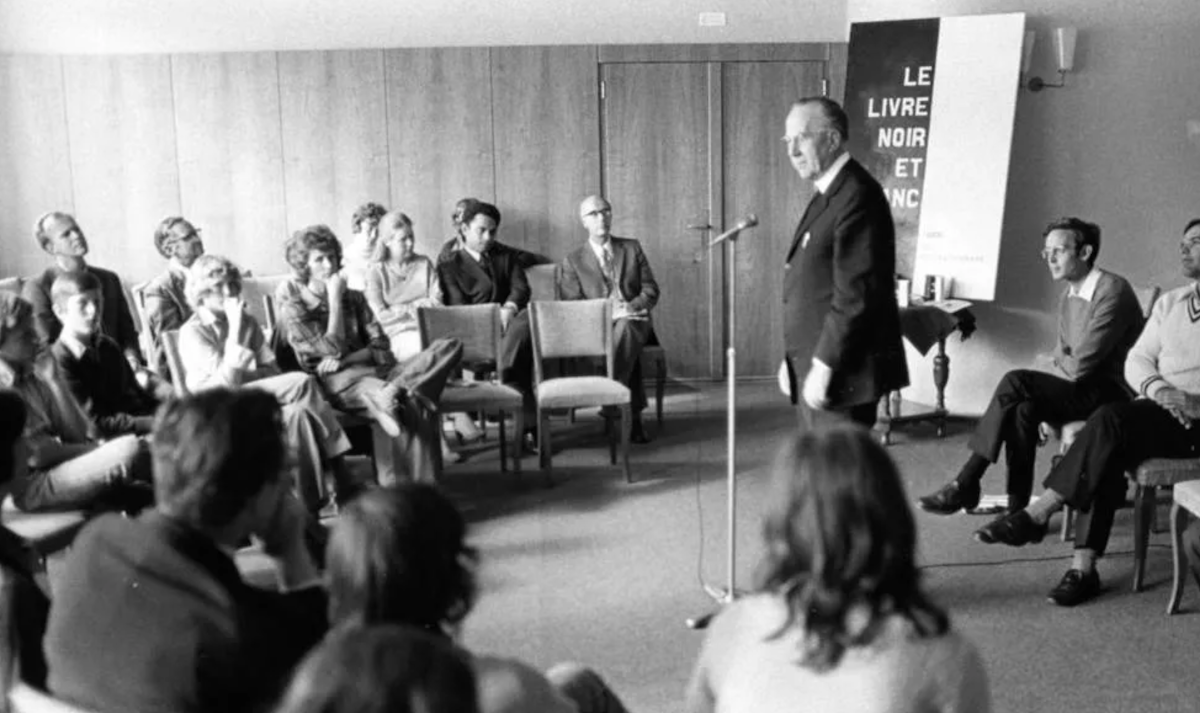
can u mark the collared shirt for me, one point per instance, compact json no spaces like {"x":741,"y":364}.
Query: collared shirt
{"x":102,"y":381}
{"x":1086,"y":288}
{"x":600,"y":249}
{"x":831,"y":173}
{"x":304,"y":318}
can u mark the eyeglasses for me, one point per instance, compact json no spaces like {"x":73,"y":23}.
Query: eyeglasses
{"x":789,"y":140}
{"x":1189,"y":243}
{"x":1056,"y":252}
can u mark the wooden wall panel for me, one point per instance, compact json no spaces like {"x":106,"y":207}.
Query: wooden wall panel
{"x":439,"y":135}
{"x":334,"y":110}
{"x":231,"y":155}
{"x":546,"y":115}
{"x":123,"y":163}
{"x":656,"y":172}
{"x":759,"y":179}
{"x":35,"y":166}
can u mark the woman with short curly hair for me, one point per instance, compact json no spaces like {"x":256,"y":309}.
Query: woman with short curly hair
{"x":335,"y":336}
{"x":840,"y":621}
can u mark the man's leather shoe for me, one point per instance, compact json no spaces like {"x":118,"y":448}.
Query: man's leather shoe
{"x":1075,"y":588}
{"x":951,"y":498}
{"x":1013,"y":530}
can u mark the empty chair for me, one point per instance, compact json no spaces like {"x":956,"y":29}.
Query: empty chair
{"x":478,"y":328}
{"x":578,"y":328}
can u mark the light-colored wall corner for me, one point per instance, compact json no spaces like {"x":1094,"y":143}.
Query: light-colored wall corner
{"x":176,"y":26}
{"x":1111,"y":147}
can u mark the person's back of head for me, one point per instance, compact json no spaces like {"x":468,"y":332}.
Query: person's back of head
{"x":840,"y":542}
{"x":215,"y":454}
{"x":382,"y":669}
{"x":399,"y":555}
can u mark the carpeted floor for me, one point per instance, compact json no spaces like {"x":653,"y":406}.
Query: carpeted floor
{"x":595,"y":570}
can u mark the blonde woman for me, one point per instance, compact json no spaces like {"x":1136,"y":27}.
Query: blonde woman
{"x":399,"y":282}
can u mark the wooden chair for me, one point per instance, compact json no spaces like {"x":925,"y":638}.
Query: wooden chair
{"x":1186,"y":501}
{"x":1065,"y":433}
{"x":141,"y":320}
{"x":24,"y":698}
{"x":576,"y":328}
{"x":170,"y":340}
{"x":478,"y":328}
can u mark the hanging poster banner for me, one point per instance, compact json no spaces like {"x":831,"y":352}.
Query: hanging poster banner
{"x":931,"y":105}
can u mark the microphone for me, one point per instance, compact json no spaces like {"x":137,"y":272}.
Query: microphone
{"x":749,"y":221}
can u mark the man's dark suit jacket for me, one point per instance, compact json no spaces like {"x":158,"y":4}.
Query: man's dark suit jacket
{"x":152,"y":616}
{"x":116,"y":320}
{"x":583,"y":277}
{"x":839,"y":299}
{"x":464,"y":281}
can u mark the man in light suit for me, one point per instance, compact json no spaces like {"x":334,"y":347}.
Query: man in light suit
{"x":841,"y":323}
{"x":608,"y":267}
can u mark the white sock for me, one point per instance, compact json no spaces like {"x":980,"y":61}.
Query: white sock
{"x":1084,"y":560}
{"x":1046,"y":505}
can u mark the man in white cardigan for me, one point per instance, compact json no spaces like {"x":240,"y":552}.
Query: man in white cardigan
{"x":1164,"y":368}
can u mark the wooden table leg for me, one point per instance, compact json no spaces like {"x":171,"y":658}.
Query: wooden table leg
{"x":941,"y":376}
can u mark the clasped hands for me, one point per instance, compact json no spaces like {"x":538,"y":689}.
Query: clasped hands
{"x":1183,"y":406}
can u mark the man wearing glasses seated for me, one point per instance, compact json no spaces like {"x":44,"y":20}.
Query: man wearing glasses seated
{"x":167,"y":307}
{"x":1099,"y":320}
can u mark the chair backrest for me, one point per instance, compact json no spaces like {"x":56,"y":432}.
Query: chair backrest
{"x":257,"y":292}
{"x":571,"y":328}
{"x":1146,"y":297}
{"x":476,"y":326}
{"x":141,"y":320}
{"x":170,"y":339}
{"x":543,"y":282}
{"x":24,"y":698}
{"x":13,"y":285}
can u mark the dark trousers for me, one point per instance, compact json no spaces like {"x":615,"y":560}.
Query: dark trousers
{"x":1023,"y":399}
{"x":629,"y":336}
{"x":1117,"y":437}
{"x":516,"y":360}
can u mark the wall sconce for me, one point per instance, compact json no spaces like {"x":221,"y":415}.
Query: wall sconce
{"x":1064,"y":55}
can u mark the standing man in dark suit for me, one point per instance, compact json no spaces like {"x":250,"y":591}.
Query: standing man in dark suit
{"x":484,"y":271}
{"x":841,"y":323}
{"x":608,"y":267}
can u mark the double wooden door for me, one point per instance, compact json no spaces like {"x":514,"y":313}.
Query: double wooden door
{"x":695,"y":145}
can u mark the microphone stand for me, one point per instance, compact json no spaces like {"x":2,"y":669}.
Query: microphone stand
{"x":726,"y":595}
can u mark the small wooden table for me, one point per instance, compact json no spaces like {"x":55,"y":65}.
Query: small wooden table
{"x":926,"y":325}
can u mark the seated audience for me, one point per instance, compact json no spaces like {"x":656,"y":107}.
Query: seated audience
{"x":69,"y":467}
{"x":399,"y":282}
{"x":382,"y":669}
{"x":840,"y":621}
{"x":482,"y":272}
{"x":364,"y":244}
{"x":399,"y":556}
{"x":524,"y":258}
{"x":221,"y":345}
{"x":166,"y":302}
{"x":59,"y":235}
{"x":616,"y":269}
{"x":1099,"y":319}
{"x":335,"y":337}
{"x":152,"y":613}
{"x":100,"y":378}
{"x":1164,"y":369}
{"x":23,"y":606}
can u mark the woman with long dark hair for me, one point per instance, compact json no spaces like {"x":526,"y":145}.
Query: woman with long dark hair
{"x":840,"y":621}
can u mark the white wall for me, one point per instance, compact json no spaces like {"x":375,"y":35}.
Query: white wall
{"x":140,"y":26}
{"x":1111,"y":147}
